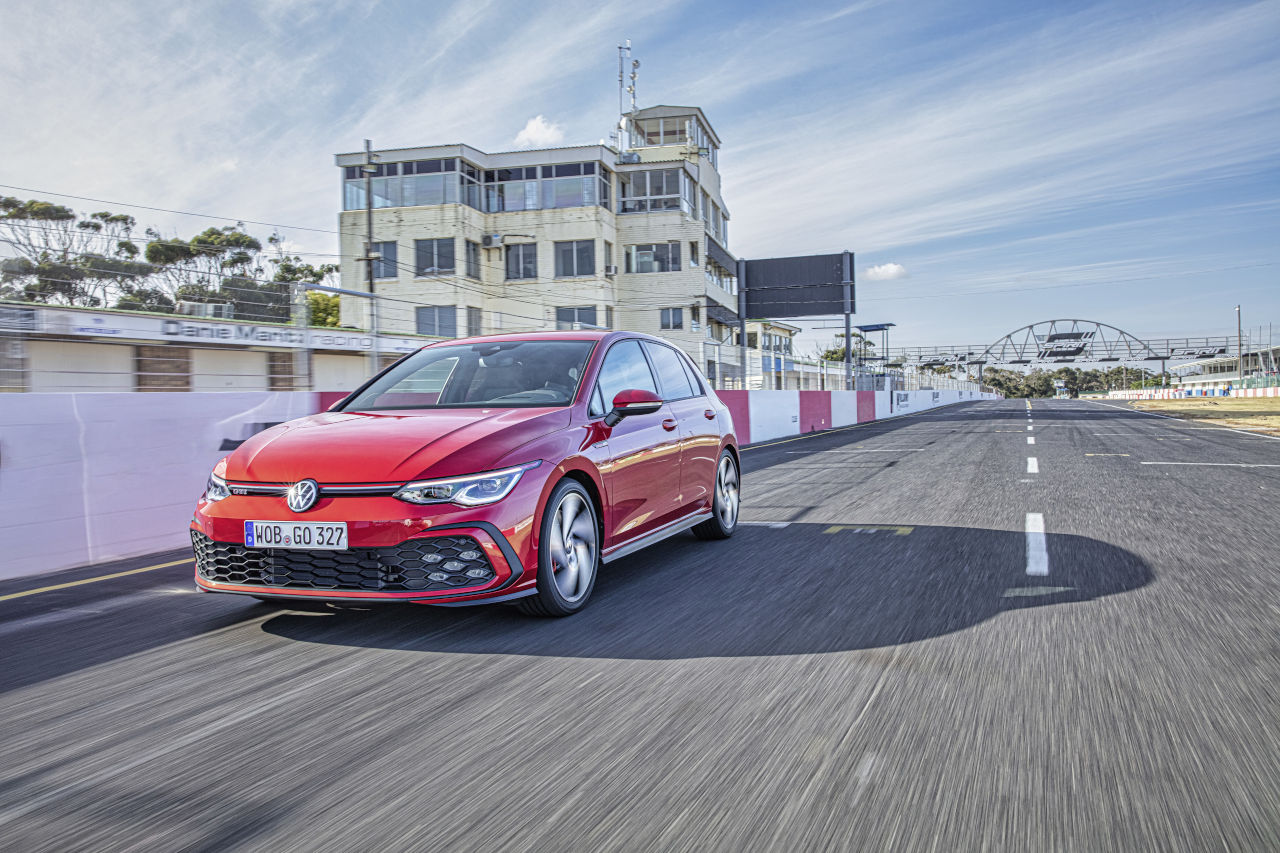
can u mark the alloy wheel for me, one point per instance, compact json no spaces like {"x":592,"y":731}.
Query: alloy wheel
{"x":573,"y":546}
{"x":727,"y":493}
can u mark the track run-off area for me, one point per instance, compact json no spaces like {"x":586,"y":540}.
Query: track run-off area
{"x":997,"y":625}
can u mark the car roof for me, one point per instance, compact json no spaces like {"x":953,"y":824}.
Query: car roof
{"x":585,"y":335}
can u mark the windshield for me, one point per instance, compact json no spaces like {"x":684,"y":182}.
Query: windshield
{"x":506,"y":374}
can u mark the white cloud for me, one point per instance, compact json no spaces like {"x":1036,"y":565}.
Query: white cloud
{"x":885,"y":272}
{"x":539,"y":133}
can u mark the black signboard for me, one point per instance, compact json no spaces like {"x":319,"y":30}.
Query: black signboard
{"x":806,"y":286}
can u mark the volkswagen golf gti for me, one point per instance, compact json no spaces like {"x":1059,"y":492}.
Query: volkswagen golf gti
{"x":501,"y":468}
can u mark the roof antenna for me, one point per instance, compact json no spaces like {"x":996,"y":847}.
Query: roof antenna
{"x":624,"y":118}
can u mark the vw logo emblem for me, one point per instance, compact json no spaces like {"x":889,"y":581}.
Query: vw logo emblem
{"x":302,"y":495}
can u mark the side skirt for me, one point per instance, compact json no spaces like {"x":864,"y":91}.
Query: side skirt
{"x":680,"y":525}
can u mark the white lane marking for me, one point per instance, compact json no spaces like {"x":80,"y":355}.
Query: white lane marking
{"x":1037,"y":551}
{"x":776,"y":525}
{"x":1030,"y":427}
{"x":1031,"y":439}
{"x":1029,"y":591}
{"x":1033,"y":465}
{"x":1172,"y":418}
{"x":1217,"y":464}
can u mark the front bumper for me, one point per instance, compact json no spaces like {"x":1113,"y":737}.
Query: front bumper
{"x":405,"y":572}
{"x":397,"y":553}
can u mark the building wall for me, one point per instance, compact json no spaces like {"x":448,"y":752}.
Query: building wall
{"x":338,"y":372}
{"x":228,"y":370}
{"x":68,"y":366}
{"x":524,"y":305}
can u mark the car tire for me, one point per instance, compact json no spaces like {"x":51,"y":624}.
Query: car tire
{"x":567,"y":564}
{"x":725,"y":502}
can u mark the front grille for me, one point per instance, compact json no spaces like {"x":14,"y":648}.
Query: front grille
{"x":431,"y":564}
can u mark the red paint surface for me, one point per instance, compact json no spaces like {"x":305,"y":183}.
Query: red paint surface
{"x":815,"y":411}
{"x":866,"y":406}
{"x":740,"y":409}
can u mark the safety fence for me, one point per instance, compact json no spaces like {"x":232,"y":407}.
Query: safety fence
{"x":87,"y":478}
{"x":45,"y":348}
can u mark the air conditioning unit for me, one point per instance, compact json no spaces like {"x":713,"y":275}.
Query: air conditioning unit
{"x":610,"y":269}
{"x":491,"y":241}
{"x":219,"y":310}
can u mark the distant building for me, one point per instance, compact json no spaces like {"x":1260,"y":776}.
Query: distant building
{"x":583,"y":236}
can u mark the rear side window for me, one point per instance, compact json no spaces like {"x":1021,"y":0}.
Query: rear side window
{"x":671,"y":373}
{"x":624,"y":368}
{"x":699,"y":389}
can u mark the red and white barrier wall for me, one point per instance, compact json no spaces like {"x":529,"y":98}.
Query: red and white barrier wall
{"x":765,"y":415}
{"x":88,"y":478}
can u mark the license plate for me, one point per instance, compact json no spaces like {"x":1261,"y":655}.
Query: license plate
{"x":296,"y":535}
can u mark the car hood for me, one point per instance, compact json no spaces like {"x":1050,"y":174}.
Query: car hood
{"x":385,"y":447}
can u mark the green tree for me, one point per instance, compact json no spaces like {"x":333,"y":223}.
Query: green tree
{"x":862,"y":348}
{"x":220,"y":265}
{"x":323,"y":308}
{"x":63,"y":258}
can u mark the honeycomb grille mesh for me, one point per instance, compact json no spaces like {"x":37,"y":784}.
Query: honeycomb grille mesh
{"x":432,"y":564}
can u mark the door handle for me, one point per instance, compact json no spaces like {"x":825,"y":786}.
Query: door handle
{"x":669,"y":424}
{"x":709,"y":414}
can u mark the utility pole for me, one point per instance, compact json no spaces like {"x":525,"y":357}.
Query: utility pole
{"x":847,"y":286}
{"x":742,"y":321}
{"x":1239,"y":349}
{"x":370,"y":257}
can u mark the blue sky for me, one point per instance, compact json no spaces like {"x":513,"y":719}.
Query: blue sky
{"x":1007,"y":162}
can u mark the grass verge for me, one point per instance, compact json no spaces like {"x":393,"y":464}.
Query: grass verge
{"x":1255,"y":413}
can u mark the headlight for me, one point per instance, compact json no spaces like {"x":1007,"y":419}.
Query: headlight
{"x":472,"y":490}
{"x":216,"y":489}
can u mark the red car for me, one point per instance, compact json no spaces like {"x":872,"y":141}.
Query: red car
{"x":472,"y":471}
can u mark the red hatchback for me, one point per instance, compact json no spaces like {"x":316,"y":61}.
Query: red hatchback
{"x":477,"y":470}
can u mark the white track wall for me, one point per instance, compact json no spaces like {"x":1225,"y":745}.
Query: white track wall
{"x":93,"y":477}
{"x":774,"y":414}
{"x":87,"y":478}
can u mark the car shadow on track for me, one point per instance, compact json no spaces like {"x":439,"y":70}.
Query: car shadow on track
{"x":802,"y":589}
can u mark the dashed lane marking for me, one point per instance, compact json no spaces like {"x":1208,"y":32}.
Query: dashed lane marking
{"x":1031,"y":439}
{"x":897,"y":530}
{"x":1033,"y":465}
{"x":70,"y":584}
{"x":1031,"y":591}
{"x":1106,"y":454}
{"x":1037,"y":550}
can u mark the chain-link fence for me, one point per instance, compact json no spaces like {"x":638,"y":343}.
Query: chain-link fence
{"x":304,"y":337}
{"x":767,"y":370}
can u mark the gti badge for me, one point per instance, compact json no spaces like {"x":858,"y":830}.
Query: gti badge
{"x":302,"y":495}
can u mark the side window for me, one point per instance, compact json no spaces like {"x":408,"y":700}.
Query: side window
{"x":624,"y":368}
{"x":699,"y":389}
{"x":667,"y":363}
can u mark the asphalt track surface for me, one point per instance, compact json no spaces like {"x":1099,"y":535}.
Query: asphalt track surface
{"x":866,"y":665}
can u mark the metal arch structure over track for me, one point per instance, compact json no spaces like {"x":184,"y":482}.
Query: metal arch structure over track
{"x":1066,"y":341}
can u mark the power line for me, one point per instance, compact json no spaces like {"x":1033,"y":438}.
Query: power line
{"x":168,"y":210}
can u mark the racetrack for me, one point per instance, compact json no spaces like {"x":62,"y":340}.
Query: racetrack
{"x":866,"y":664}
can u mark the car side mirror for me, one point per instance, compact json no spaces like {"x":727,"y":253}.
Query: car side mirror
{"x":632,"y":401}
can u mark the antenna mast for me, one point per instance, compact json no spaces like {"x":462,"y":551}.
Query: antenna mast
{"x":623,"y":133}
